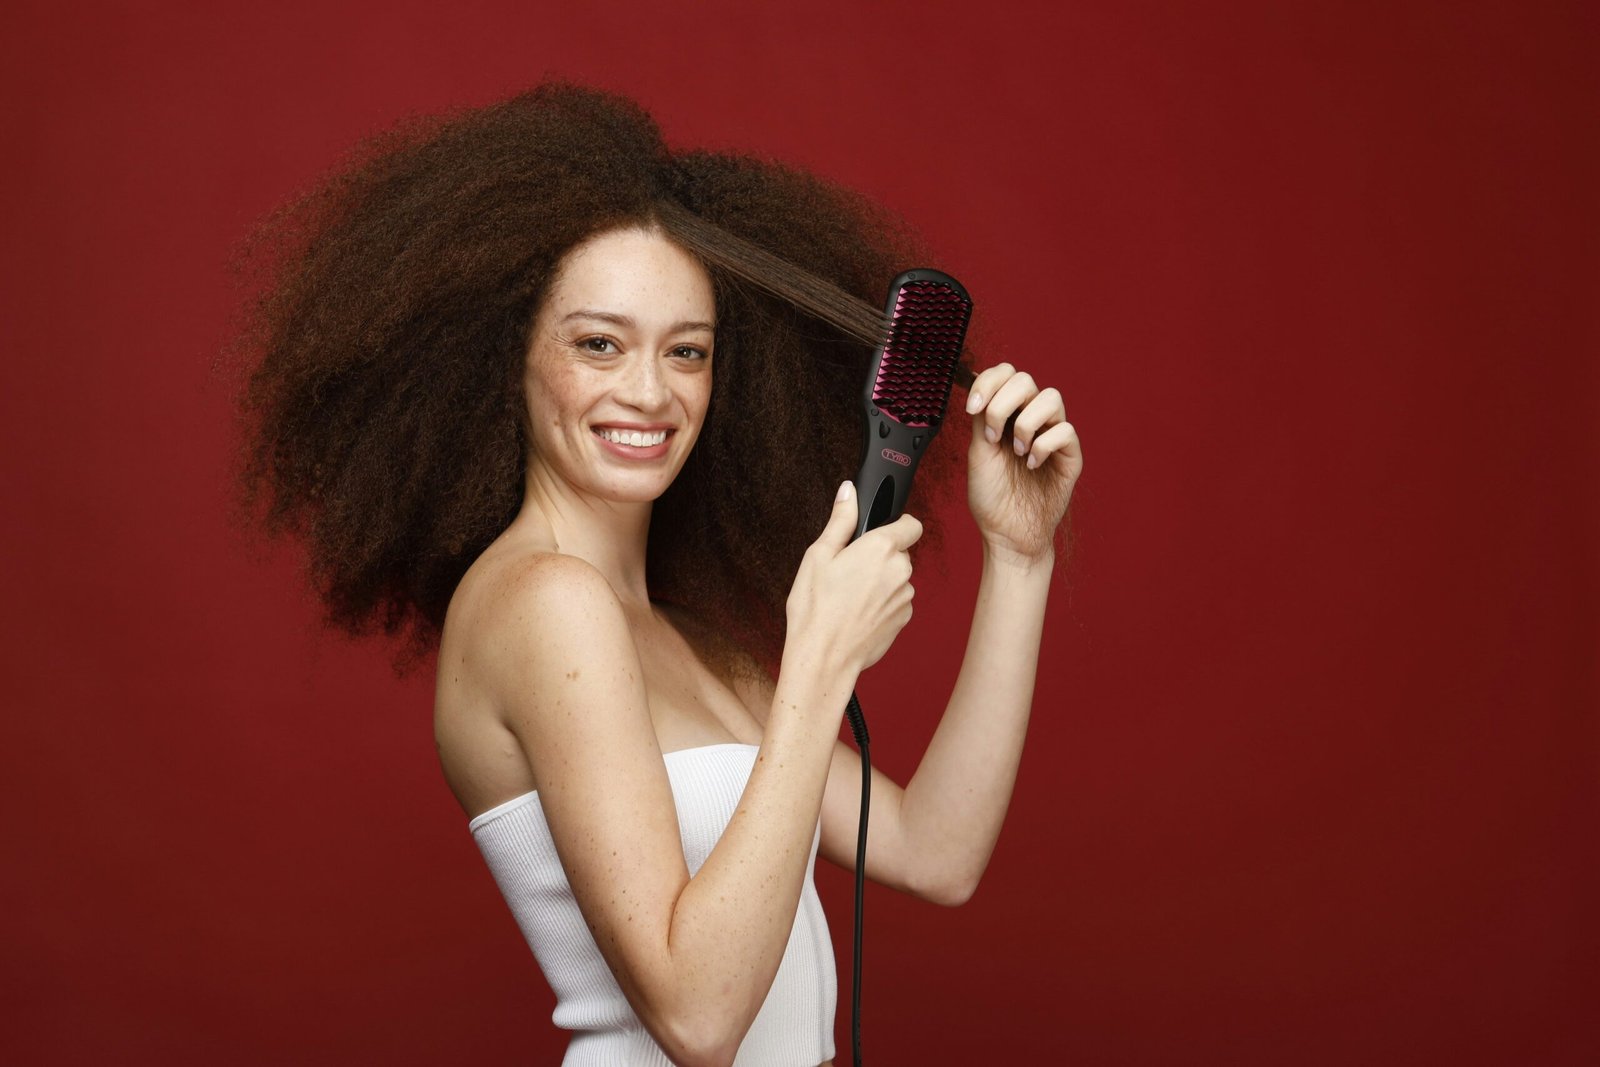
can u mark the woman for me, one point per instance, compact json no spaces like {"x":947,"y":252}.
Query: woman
{"x":572,"y":406}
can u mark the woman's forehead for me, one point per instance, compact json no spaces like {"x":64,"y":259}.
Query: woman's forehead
{"x":632,"y":273}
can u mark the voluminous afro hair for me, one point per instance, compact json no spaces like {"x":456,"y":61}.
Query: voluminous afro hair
{"x":384,"y":423}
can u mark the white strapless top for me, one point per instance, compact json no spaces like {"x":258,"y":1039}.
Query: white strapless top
{"x":795,"y":1025}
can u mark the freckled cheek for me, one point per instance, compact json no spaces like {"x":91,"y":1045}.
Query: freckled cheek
{"x":698,"y":396}
{"x":558,"y":403}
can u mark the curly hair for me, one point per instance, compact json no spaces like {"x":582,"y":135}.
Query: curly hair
{"x":382,"y":416}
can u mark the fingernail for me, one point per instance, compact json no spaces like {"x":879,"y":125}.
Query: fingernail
{"x":989,"y":432}
{"x":1033,"y":461}
{"x":844,"y":491}
{"x":974,"y":402}
{"x":1017,"y":444}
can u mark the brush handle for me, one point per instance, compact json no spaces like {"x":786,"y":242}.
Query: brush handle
{"x":890,"y":459}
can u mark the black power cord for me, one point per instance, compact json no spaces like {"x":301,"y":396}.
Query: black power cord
{"x":858,"y":727}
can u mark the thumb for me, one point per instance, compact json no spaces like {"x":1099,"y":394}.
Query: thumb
{"x":842,"y":520}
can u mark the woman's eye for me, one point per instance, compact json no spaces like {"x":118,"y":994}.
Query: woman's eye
{"x":689,"y":352}
{"x":598,"y":344}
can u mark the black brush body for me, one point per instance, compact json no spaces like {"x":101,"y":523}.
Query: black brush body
{"x":902,"y":408}
{"x":908,"y":388}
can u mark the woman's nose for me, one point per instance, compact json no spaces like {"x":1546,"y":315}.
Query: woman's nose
{"x":644,"y":386}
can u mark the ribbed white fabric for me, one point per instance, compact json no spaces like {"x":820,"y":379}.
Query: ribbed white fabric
{"x":795,"y":1025}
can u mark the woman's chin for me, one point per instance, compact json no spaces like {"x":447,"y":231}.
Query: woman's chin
{"x":634,"y":487}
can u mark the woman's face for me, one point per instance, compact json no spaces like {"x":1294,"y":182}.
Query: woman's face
{"x":621,"y":349}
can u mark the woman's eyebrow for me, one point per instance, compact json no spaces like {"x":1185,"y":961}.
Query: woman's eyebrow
{"x":625,"y":321}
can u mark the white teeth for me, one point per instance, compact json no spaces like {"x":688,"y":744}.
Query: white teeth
{"x":634,"y":438}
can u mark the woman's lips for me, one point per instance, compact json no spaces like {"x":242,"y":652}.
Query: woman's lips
{"x":630,"y":452}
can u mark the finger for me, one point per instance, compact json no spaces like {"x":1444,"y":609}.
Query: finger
{"x":841,"y":525}
{"x":903,"y":532}
{"x":1060,"y":438}
{"x":985,"y":384}
{"x":1041,"y":410}
{"x":1017,"y":390}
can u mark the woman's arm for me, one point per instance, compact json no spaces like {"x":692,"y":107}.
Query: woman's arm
{"x":695,"y":957}
{"x":934,"y":838}
{"x":952,"y":808}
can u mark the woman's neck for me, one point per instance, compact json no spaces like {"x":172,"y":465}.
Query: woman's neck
{"x":609,"y":535}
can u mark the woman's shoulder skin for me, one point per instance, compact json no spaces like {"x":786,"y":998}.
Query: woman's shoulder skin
{"x":507,"y":590}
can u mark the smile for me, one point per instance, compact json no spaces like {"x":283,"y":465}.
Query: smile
{"x":633,"y":444}
{"x":635,"y":438}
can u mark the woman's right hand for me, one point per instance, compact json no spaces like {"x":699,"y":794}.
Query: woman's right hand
{"x":853,"y":598}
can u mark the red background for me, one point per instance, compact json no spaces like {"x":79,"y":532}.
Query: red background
{"x":1312,"y":771}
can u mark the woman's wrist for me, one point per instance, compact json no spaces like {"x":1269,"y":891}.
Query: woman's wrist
{"x":813,"y":672}
{"x":1007,"y":558}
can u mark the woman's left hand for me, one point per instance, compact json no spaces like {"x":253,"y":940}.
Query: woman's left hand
{"x":1019,"y":484}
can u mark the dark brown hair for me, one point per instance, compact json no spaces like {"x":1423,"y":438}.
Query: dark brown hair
{"x":383,"y":349}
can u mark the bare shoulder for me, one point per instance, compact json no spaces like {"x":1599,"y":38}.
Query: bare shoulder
{"x":528,"y":636}
{"x":547,"y":582}
{"x":524,"y":613}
